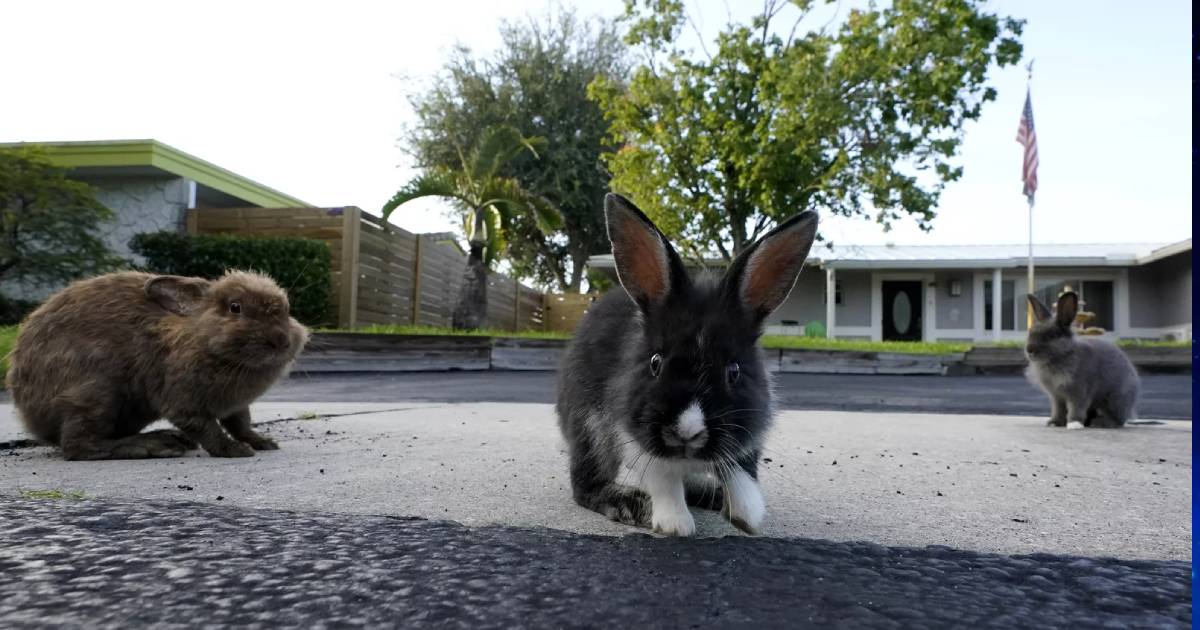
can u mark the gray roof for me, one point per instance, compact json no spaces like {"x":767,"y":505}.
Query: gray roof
{"x":975,"y":256}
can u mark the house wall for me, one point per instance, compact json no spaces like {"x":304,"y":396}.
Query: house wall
{"x":1160,"y":293}
{"x":806,"y":303}
{"x":855,"y":309}
{"x":954,"y":313}
{"x":1052,"y":279}
{"x":1147,"y":302}
{"x":140,"y":204}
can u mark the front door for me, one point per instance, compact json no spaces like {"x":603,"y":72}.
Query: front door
{"x":902,"y":310}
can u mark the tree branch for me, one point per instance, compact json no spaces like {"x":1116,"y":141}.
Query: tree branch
{"x":724,"y":252}
{"x":759,"y":224}
{"x":699,"y":35}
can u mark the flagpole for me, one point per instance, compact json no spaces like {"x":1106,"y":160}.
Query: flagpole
{"x":1031,"y":286}
{"x":1028,"y":305}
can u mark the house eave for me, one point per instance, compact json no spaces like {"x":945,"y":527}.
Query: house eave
{"x":979,"y":263}
{"x":1166,"y":251}
{"x":112,"y":156}
{"x":605,"y":261}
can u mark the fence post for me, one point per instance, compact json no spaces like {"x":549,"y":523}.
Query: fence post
{"x":516,"y":305}
{"x":348,"y":300}
{"x":416,"y":290}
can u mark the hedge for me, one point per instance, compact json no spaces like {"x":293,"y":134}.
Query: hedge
{"x":300,"y":266}
{"x":13,"y":311}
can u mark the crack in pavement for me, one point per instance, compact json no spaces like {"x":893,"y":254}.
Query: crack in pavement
{"x":12,"y":445}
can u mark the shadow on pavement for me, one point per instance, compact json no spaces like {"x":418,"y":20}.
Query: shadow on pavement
{"x":100,"y":563}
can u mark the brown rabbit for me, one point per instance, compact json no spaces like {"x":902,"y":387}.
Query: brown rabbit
{"x":107,"y":356}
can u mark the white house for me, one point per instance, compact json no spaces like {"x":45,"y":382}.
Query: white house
{"x":959,"y":293}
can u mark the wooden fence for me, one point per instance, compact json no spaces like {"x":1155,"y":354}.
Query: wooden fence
{"x":562,"y":311}
{"x":381,"y":274}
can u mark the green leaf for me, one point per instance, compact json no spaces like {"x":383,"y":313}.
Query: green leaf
{"x":502,"y":143}
{"x":433,"y":183}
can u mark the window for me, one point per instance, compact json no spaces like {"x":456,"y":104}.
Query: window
{"x":837,"y":293}
{"x":1095,"y":296}
{"x":1008,"y":306}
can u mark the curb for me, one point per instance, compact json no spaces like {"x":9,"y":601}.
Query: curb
{"x":364,"y":352}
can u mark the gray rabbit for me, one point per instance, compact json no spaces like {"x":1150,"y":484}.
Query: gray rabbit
{"x":1090,"y":381}
{"x":664,"y":384}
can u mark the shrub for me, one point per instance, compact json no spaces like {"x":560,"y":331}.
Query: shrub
{"x":300,"y":266}
{"x":814,"y":329}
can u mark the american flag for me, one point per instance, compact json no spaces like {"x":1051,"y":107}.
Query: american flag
{"x":1027,"y":137}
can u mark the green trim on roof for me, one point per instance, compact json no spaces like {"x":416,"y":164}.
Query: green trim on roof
{"x":118,"y":153}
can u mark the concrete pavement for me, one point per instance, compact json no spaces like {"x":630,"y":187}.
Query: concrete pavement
{"x":991,"y":484}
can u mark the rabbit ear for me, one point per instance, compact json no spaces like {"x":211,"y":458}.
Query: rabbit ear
{"x":1068,"y":307}
{"x":647,"y":265}
{"x":762,"y":276}
{"x":1040,"y":312}
{"x":177,"y":294}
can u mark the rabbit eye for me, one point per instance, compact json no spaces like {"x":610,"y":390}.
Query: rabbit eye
{"x":235,"y":308}
{"x":655,"y":364}
{"x":732,"y":372}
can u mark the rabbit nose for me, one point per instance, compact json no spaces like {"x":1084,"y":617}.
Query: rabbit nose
{"x":689,"y":430}
{"x":677,"y":437}
{"x":688,"y":433}
{"x":279,"y":342}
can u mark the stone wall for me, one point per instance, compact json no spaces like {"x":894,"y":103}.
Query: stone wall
{"x":140,"y":204}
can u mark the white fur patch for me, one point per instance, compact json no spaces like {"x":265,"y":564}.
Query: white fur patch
{"x":691,"y":422}
{"x":745,"y":499}
{"x":1074,"y":424}
{"x":663,"y":481}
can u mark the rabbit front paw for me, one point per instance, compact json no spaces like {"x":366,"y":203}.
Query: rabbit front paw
{"x":1074,"y":424}
{"x":744,"y":505}
{"x":260,"y":442}
{"x":673,"y":520}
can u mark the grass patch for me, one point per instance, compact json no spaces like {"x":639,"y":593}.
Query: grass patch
{"x":8,"y":335}
{"x":53,"y":494}
{"x":1001,"y":344}
{"x":435,"y":330}
{"x":1121,"y":342}
{"x":1155,"y":344}
{"x":789,"y":342}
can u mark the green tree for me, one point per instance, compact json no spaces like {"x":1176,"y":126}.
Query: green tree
{"x":537,"y":83}
{"x":862,"y":120}
{"x":48,"y":223}
{"x":489,"y":203}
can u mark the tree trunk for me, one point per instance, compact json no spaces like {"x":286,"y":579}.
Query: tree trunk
{"x":737,"y":231}
{"x":578,"y":266}
{"x":471,"y":311}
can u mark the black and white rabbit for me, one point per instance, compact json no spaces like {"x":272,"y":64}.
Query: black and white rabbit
{"x":1089,"y":380}
{"x":665,"y":382}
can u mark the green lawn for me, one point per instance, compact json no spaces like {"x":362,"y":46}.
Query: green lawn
{"x":1156,"y":344}
{"x":1122,"y":342}
{"x":821,"y":343}
{"x":769,"y":341}
{"x":8,"y":334}
{"x":435,"y":330}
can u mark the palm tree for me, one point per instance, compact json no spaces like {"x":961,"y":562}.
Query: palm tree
{"x":488,"y":202}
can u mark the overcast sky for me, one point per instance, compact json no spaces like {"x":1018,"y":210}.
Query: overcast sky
{"x":310,"y":99}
